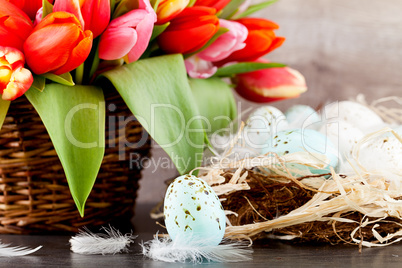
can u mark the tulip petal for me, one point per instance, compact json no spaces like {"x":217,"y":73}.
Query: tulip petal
{"x":144,"y":32}
{"x":198,"y":68}
{"x":96,"y":14}
{"x":115,"y":43}
{"x":79,"y":52}
{"x":186,"y":41}
{"x":57,"y":51}
{"x":21,"y":81}
{"x":70,"y":6}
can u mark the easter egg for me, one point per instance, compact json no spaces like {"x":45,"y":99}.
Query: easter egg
{"x":382,"y":153}
{"x":343,"y":135}
{"x":262,"y":124}
{"x":302,"y":116}
{"x":193,"y":212}
{"x":355,"y":114}
{"x":302,"y":140}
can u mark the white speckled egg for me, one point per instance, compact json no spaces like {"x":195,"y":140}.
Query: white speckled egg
{"x":355,"y":114}
{"x":301,"y":140}
{"x":343,"y":135}
{"x":302,"y":116}
{"x":383,"y":153}
{"x":193,"y":211}
{"x":398,"y":130}
{"x":262,"y":124}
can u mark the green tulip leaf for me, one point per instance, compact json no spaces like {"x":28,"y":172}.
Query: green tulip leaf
{"x":47,"y":8}
{"x":245,"y":67}
{"x":39,"y":83}
{"x":75,"y":120}
{"x":254,"y":8}
{"x":231,"y":9}
{"x":191,"y":3}
{"x":158,"y":29}
{"x":215,"y":101}
{"x":4,"y":105}
{"x":64,"y":79}
{"x":158,"y":93}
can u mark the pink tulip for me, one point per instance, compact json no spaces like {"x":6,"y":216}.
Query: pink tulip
{"x":128,"y":35}
{"x":227,"y":43}
{"x":15,"y":80}
{"x":94,"y":15}
{"x":199,"y":68}
{"x":201,"y":65}
{"x":270,"y":84}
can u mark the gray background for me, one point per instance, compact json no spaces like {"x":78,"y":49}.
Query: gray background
{"x":342,"y":47}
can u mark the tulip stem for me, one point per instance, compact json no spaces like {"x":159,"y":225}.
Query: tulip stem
{"x":79,"y":74}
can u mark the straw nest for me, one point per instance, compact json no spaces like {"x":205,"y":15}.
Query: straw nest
{"x":264,"y":198}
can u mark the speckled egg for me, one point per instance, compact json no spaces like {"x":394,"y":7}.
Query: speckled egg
{"x":301,"y":140}
{"x":343,"y":135}
{"x":193,"y":211}
{"x":262,"y":124}
{"x":382,"y":153}
{"x":302,"y":116}
{"x":355,"y":114}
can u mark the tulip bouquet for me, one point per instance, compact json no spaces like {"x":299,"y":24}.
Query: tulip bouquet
{"x":166,"y":59}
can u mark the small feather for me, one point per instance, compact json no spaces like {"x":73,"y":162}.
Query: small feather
{"x":7,"y":251}
{"x":86,"y":242}
{"x":181,"y":250}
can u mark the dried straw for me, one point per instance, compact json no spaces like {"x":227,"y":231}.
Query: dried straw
{"x":263,"y":197}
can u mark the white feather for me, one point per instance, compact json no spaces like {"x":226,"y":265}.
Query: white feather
{"x":180,"y":250}
{"x":86,"y":242}
{"x":7,"y":251}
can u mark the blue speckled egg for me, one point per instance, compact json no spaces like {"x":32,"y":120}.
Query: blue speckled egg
{"x":302,"y":116}
{"x":193,"y":211}
{"x":301,"y":140}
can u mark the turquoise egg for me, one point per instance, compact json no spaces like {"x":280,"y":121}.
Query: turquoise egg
{"x":302,"y":116}
{"x":193,"y":212}
{"x":304,"y":140}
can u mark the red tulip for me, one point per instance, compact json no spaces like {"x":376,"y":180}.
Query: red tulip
{"x":261,"y":40}
{"x":94,"y":15}
{"x":189,"y":31}
{"x":15,"y":80}
{"x":128,"y":35}
{"x":168,"y":9}
{"x":57,"y":44}
{"x":270,"y":84}
{"x":217,"y":4}
{"x":15,"y":25}
{"x":30,"y":7}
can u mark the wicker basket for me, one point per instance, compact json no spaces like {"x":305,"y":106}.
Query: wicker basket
{"x":34,"y":194}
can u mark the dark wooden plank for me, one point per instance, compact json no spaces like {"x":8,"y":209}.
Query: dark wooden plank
{"x":56,"y":252}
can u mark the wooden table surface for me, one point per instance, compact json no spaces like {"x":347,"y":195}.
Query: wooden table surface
{"x":56,"y":252}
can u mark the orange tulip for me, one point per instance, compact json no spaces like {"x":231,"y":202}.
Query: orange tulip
{"x":15,"y":25}
{"x":30,"y":7}
{"x":57,"y":44}
{"x":261,"y":40}
{"x":217,"y":4}
{"x":15,"y":80}
{"x":168,"y":9}
{"x":189,"y":31}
